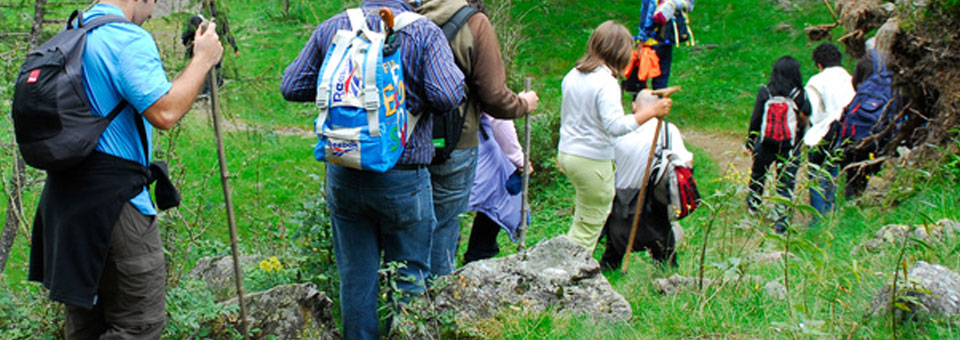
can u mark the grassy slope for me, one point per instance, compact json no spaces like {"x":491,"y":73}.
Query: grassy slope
{"x":274,"y":173}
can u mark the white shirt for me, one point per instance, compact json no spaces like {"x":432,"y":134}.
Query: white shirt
{"x":633,"y":150}
{"x":829,"y":92}
{"x":591,"y":115}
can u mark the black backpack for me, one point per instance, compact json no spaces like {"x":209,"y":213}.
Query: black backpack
{"x":447,"y":127}
{"x":54,"y":127}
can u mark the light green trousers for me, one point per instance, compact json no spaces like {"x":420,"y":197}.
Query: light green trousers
{"x":593,"y":181}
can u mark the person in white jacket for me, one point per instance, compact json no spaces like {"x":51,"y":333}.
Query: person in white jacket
{"x":591,"y":117}
{"x":829,"y":92}
{"x":654,"y":231}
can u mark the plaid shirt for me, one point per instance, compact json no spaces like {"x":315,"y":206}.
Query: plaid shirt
{"x":434,"y":82}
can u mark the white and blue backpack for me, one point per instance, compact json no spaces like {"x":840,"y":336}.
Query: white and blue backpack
{"x":363,"y":121}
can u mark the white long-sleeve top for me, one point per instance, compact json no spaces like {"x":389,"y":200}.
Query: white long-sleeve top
{"x":633,"y":151}
{"x":591,"y":116}
{"x":829,"y":92}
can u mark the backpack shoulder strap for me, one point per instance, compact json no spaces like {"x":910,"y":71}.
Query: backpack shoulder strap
{"x":142,"y":131}
{"x":400,"y":22}
{"x":357,"y":22}
{"x":404,"y":19}
{"x":116,"y":110}
{"x":794,"y":93}
{"x":102,"y":20}
{"x":457,"y":21}
{"x":666,"y":136}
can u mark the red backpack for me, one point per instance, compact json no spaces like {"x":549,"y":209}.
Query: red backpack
{"x":780,"y":118}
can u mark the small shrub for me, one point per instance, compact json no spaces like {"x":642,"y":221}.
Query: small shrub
{"x":190,"y":308}
{"x":313,"y":235}
{"x":29,"y":314}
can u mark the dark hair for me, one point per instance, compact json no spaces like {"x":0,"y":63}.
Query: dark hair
{"x":785,"y":77}
{"x":863,"y":70}
{"x":478,"y":4}
{"x":827,"y":55}
{"x":610,"y":44}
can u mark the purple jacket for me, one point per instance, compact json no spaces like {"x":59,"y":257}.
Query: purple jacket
{"x":489,"y":194}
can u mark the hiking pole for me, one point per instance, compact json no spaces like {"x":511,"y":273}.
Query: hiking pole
{"x":225,"y":182}
{"x":643,"y":193}
{"x":646,"y":181}
{"x":525,"y":206}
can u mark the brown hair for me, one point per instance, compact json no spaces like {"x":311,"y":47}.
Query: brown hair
{"x":610,"y":44}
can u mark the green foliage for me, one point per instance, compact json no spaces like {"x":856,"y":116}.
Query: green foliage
{"x":191,"y":308}
{"x":28,"y":314}
{"x":951,"y":6}
{"x":314,"y":236}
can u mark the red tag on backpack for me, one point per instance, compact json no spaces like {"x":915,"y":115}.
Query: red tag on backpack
{"x":34,"y":76}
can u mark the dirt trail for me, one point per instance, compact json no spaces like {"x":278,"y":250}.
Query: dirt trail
{"x":726,"y":148}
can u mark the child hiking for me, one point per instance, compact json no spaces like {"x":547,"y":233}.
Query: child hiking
{"x":779,"y":112}
{"x":591,"y":117}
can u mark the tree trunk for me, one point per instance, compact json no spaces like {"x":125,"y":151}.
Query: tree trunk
{"x":15,"y":200}
{"x":14,"y":211}
{"x":37,"y":23}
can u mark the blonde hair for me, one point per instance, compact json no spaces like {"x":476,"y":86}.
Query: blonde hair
{"x":610,"y":44}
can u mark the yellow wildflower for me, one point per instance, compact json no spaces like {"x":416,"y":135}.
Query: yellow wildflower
{"x":265,"y":266}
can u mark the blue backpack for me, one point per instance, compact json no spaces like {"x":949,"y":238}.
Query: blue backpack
{"x":868,"y":105}
{"x":363,"y":121}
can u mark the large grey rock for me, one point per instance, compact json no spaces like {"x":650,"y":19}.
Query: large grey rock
{"x":296,"y":311}
{"x":218,"y":273}
{"x":943,"y":230}
{"x":930,"y":290}
{"x":556,"y":274}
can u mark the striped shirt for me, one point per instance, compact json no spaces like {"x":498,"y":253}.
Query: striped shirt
{"x":434,"y":82}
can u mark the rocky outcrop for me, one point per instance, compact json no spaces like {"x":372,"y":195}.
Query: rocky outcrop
{"x":556,"y":274}
{"x":217,"y":272}
{"x":930,"y":290}
{"x":943,"y":230}
{"x":295,"y":311}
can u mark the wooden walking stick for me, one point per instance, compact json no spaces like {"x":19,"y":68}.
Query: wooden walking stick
{"x":225,"y":182}
{"x":646,"y":180}
{"x":525,"y":206}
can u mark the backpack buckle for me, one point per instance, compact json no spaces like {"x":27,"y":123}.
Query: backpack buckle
{"x":371,"y":101}
{"x":323,"y":96}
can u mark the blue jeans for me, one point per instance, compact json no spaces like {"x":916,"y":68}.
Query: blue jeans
{"x":452,"y":182}
{"x":373,"y":212}
{"x":822,"y":198}
{"x":665,"y":53}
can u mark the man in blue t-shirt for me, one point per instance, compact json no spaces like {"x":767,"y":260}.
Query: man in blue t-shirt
{"x":118,"y":290}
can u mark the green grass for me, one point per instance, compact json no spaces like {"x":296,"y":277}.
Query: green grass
{"x":274,"y":174}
